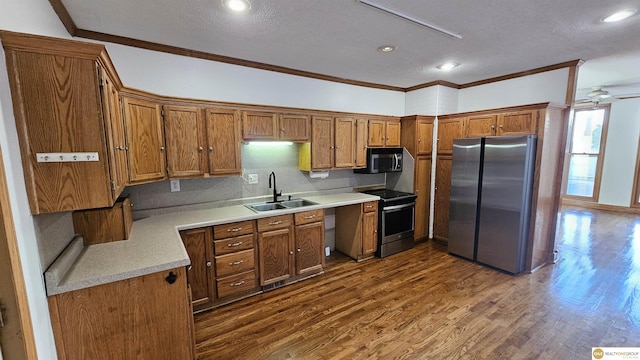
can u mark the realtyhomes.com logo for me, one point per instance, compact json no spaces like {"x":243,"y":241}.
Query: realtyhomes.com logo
{"x":615,"y":353}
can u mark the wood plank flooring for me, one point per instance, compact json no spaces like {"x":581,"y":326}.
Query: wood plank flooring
{"x":427,"y":304}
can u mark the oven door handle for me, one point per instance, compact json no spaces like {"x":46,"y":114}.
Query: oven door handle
{"x":396,"y":207}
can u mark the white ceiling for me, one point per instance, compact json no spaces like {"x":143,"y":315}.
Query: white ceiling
{"x":339,"y":37}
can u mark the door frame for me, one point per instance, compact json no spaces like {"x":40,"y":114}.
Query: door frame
{"x":16,"y":337}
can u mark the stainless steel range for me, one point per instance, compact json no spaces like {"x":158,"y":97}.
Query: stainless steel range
{"x":396,"y":221}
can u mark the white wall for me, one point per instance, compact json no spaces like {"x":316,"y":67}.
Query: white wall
{"x":434,"y":100}
{"x":179,"y":76}
{"x":32,"y":16}
{"x":549,"y":86}
{"x":620,"y":154}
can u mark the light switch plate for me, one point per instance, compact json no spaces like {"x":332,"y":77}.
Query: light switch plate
{"x":175,"y":185}
{"x":252,"y":178}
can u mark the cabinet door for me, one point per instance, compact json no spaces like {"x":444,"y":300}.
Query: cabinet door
{"x":223,"y":141}
{"x":145,"y":140}
{"x":361,"y":143}
{"x":376,"y":133}
{"x":115,"y":134}
{"x":257,"y":125}
{"x":443,"y":192}
{"x":424,"y":137}
{"x":276,"y":255}
{"x":519,"y":123}
{"x":309,"y":247}
{"x":422,"y":187}
{"x":392,"y":133}
{"x":369,"y":232}
{"x":294,"y":127}
{"x":481,"y":125}
{"x":322,"y":148}
{"x":345,"y":138}
{"x":448,"y":130}
{"x":199,"y":246}
{"x":185,"y":141}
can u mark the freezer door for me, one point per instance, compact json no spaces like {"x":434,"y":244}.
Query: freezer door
{"x":506,"y":201}
{"x":465,"y":177}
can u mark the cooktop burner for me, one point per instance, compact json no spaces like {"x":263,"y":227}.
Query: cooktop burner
{"x":387,"y":194}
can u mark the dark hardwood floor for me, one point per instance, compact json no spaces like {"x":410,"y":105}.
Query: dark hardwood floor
{"x":427,"y":304}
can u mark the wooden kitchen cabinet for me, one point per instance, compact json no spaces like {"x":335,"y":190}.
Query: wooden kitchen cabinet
{"x":442,"y":194}
{"x":261,"y":125}
{"x":357,"y":230}
{"x":201,"y":275}
{"x":518,"y":123}
{"x":201,"y":141}
{"x":59,"y":108}
{"x":146,"y":317}
{"x":333,"y":144}
{"x":309,"y":241}
{"x":236,"y":274}
{"x":417,"y":134}
{"x":276,"y":243}
{"x":384,"y":133}
{"x":361,"y":143}
{"x":106,"y":224}
{"x":422,"y":189}
{"x":449,"y":129}
{"x":145,"y":140}
{"x":481,"y":125}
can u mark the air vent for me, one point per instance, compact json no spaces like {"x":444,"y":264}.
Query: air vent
{"x":275,"y":285}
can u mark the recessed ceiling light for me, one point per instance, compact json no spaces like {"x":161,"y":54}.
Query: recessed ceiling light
{"x":447,"y":66}
{"x":386,"y":48}
{"x":620,"y":15}
{"x":237,"y":5}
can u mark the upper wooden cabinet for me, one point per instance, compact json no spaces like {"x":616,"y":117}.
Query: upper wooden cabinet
{"x":60,"y":111}
{"x":361,"y":143}
{"x":260,"y":125}
{"x":417,"y":134}
{"x":505,"y":124}
{"x":145,"y":140}
{"x":201,"y":142}
{"x":449,"y":129}
{"x":333,"y":144}
{"x":384,"y":133}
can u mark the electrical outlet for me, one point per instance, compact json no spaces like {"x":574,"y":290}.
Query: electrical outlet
{"x":175,"y":185}
{"x":253,"y":178}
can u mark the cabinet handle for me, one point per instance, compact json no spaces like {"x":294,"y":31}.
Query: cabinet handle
{"x":236,"y":262}
{"x":290,"y":252}
{"x":299,"y":250}
{"x":493,"y":127}
{"x":238,"y":243}
{"x":369,"y":206}
{"x":500,"y":126}
{"x":234,"y":230}
{"x":238,"y":283}
{"x":210,"y":149}
{"x":200,"y":149}
{"x":161,"y":148}
{"x":275,"y":222}
{"x":171,"y":278}
{"x":282,"y":130}
{"x":309,"y":217}
{"x":208,"y":263}
{"x":419,"y":141}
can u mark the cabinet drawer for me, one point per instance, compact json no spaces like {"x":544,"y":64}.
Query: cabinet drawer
{"x":370,"y":206}
{"x":275,"y":222}
{"x":234,"y":244}
{"x":233,"y":229}
{"x":309,"y":216}
{"x":234,"y":263}
{"x":236,"y":283}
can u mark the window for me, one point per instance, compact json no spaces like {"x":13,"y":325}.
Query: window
{"x":586,"y":150}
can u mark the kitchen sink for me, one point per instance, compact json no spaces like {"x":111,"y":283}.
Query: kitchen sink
{"x":286,"y":204}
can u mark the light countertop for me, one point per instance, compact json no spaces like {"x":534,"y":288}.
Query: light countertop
{"x":155,"y":245}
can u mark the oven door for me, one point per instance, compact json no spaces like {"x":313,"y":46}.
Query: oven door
{"x":397,"y":222}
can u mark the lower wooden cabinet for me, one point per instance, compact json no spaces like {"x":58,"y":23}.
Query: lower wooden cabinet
{"x":275,"y":240}
{"x":422,"y":188}
{"x":357,"y":231}
{"x":146,"y":317}
{"x":441,"y":201}
{"x":199,"y":246}
{"x":309,"y":241}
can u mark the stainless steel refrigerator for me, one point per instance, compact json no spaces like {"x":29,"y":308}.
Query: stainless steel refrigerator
{"x":490,"y":203}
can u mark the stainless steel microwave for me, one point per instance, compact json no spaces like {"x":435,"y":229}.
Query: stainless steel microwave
{"x":382,"y":160}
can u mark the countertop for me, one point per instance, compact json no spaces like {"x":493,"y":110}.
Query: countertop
{"x":155,"y":245}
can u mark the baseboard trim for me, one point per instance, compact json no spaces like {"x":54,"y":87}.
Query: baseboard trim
{"x":598,"y":206}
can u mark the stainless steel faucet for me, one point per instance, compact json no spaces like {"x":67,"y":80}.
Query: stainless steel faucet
{"x":275,"y":190}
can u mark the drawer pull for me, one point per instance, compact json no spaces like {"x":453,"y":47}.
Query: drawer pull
{"x":275,"y":222}
{"x":208,"y":263}
{"x":238,"y":283}
{"x":236,"y":262}
{"x":234,"y":229}
{"x":237,"y":243}
{"x":309,"y":216}
{"x":369,"y":206}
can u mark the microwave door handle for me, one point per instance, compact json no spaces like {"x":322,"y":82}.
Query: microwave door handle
{"x":396,"y":162}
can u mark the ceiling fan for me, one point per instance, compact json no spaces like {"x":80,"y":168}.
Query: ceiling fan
{"x":597,"y":96}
